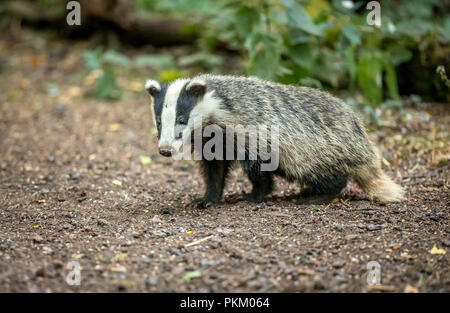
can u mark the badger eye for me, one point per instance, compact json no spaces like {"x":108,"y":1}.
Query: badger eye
{"x":181,"y":120}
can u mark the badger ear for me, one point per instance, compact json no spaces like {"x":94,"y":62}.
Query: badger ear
{"x":197,"y":87}
{"x":153,"y":87}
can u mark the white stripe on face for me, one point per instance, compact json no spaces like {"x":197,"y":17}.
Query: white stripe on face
{"x":168,"y":114}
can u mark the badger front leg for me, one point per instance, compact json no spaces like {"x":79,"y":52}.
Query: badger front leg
{"x":214,"y":174}
{"x":262,"y":181}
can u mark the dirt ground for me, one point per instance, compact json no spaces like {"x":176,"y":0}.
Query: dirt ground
{"x":75,"y":187}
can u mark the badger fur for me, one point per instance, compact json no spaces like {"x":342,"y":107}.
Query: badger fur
{"x":322,"y":143}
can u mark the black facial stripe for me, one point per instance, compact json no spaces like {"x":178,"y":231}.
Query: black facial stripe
{"x":158,"y":106}
{"x":185,"y":103}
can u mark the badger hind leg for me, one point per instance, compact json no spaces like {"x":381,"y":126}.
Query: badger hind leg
{"x":377,"y":185}
{"x":262,"y":181}
{"x":323,"y":190}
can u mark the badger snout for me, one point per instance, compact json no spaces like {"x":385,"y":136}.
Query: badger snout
{"x":166,"y":151}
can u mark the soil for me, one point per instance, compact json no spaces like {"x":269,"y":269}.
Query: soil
{"x":74,"y":186}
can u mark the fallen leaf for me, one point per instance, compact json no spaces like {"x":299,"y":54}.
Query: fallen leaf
{"x":116,"y":182}
{"x":119,"y":257}
{"x":436,"y":250}
{"x":114,"y":127}
{"x":24,"y":83}
{"x":189,"y":275}
{"x":305,"y":271}
{"x":119,"y":269}
{"x":407,"y":256}
{"x":145,"y":159}
{"x":37,"y":238}
{"x":385,"y":288}
{"x":410,"y":289}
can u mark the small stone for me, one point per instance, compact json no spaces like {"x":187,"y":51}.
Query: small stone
{"x":259,"y":206}
{"x":152,"y":280}
{"x":60,"y":110}
{"x":11,"y":243}
{"x":207,"y":263}
{"x":75,"y":176}
{"x":445,"y":242}
{"x":68,"y":226}
{"x":47,"y":250}
{"x":159,"y":233}
{"x":338,"y":263}
{"x":37,"y":238}
{"x":167,"y":210}
{"x":101,"y":222}
{"x":373,"y":227}
{"x":318,"y":285}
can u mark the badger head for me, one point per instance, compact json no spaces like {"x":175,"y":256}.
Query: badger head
{"x":178,"y":107}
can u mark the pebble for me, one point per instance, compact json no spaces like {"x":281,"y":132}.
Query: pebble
{"x":11,"y":243}
{"x":75,"y":176}
{"x":373,"y":227}
{"x":152,"y":280}
{"x":167,"y":210}
{"x":338,"y":263}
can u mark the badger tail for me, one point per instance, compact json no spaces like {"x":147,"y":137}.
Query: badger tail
{"x":377,"y":185}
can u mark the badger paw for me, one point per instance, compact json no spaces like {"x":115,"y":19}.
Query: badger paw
{"x":255,"y":198}
{"x":199,"y":203}
{"x":317,"y":200}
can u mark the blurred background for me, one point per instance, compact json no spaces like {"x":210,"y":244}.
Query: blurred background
{"x":326,"y":44}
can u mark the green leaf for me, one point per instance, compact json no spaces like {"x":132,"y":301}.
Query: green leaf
{"x":145,"y":160}
{"x":246,"y":18}
{"x":156,"y":61}
{"x":370,"y":77}
{"x":169,"y":75}
{"x":189,"y":275}
{"x":106,"y":85}
{"x":390,"y":78}
{"x":445,"y":30}
{"x":299,"y":18}
{"x":116,"y":58}
{"x":350,"y":33}
{"x":310,"y":82}
{"x":301,"y":55}
{"x":351,"y":65}
{"x":265,"y":55}
{"x":205,"y":59}
{"x":400,"y":55}
{"x":91,"y":58}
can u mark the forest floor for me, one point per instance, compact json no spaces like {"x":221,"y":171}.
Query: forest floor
{"x":76,"y":184}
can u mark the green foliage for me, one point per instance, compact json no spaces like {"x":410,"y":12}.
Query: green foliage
{"x":319,"y":43}
{"x":328,"y":43}
{"x":109,"y":64}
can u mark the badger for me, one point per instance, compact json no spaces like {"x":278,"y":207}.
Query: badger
{"x":322,"y":143}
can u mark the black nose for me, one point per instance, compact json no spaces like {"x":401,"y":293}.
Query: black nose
{"x":165,"y":152}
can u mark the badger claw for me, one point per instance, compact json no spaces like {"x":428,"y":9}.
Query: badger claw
{"x":199,"y":203}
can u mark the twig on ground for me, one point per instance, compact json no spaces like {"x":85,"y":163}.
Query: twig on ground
{"x":198,"y":241}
